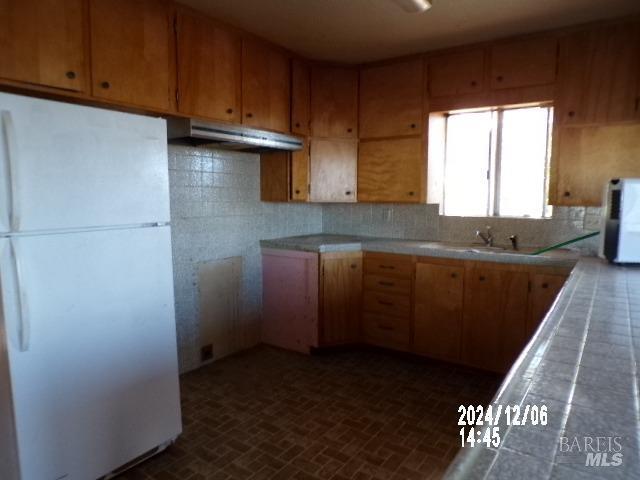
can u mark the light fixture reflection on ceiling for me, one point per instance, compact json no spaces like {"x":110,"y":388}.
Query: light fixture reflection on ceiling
{"x":414,"y":6}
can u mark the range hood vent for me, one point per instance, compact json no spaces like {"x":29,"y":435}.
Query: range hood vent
{"x":186,"y":131}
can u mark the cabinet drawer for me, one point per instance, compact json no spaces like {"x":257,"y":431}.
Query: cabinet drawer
{"x":394,"y":265}
{"x":381,"y":283}
{"x":387,"y":304}
{"x":386,"y":331}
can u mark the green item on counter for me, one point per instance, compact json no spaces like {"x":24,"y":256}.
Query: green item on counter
{"x":568,"y":242}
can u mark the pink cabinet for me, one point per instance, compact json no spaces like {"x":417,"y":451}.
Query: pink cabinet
{"x":290,"y":299}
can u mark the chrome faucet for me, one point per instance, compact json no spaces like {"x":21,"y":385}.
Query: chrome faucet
{"x":514,"y":241}
{"x":486,"y":238}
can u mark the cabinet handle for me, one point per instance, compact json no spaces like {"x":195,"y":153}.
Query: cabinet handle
{"x":71,"y":74}
{"x":297,"y":192}
{"x":105,"y":85}
{"x":473,"y":83}
{"x":567,"y":193}
{"x":499,"y":78}
{"x":387,"y":267}
{"x":385,"y":327}
{"x":249,"y":115}
{"x":545,"y":285}
{"x":229,"y":111}
{"x":349,"y":130}
{"x":385,"y":303}
{"x":571,"y":113}
{"x":454,"y":275}
{"x":413,"y":125}
{"x":481,"y":278}
{"x":297,"y":124}
{"x":354,"y":266}
{"x":411,"y":194}
{"x":386,"y":284}
{"x":348,"y":192}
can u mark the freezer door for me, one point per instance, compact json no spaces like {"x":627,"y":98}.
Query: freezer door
{"x":68,"y":166}
{"x":95,"y":381}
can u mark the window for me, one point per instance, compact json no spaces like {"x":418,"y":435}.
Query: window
{"x":496,"y":162}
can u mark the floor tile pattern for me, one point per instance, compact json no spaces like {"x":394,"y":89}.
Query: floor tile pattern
{"x":361,"y":415}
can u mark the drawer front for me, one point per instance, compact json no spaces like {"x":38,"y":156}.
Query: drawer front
{"x":387,"y":304}
{"x":388,"y":265}
{"x":381,"y":283}
{"x":386,"y":331}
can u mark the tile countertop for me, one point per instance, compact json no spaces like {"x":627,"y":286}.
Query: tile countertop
{"x":581,"y":364}
{"x":324,"y":243}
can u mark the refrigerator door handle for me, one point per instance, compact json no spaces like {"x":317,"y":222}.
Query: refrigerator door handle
{"x":9,"y":134}
{"x":25,"y":324}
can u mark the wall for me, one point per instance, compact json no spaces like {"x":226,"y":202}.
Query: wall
{"x":216,"y":213}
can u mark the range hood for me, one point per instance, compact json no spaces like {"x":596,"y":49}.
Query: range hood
{"x":186,"y":131}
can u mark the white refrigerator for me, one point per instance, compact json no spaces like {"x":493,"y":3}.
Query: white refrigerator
{"x":88,"y":360}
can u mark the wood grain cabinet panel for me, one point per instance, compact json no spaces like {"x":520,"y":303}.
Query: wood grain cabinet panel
{"x":131,"y":57}
{"x":42,"y":42}
{"x":341,"y":293}
{"x":585,"y":158}
{"x":300,"y":173}
{"x":333,"y":169}
{"x":300,"y":97}
{"x":334,"y":102}
{"x":391,"y":170}
{"x":388,"y":264}
{"x":544,"y":290}
{"x":387,"y":304}
{"x":391,"y":99}
{"x":386,"y":284}
{"x":457,"y":73}
{"x":275,"y":176}
{"x":209,"y":69}
{"x":266,"y":86}
{"x":385,"y":331}
{"x":439,"y":294}
{"x":494,"y":318}
{"x":599,"y":75}
{"x":524,"y":63}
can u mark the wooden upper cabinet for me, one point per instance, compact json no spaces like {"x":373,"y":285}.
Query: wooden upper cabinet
{"x":300,"y":174}
{"x":334,"y":102}
{"x":599,"y":75}
{"x":266,"y":86}
{"x":438,"y":311}
{"x":209,"y":69}
{"x":391,"y":170}
{"x":341,"y":293}
{"x":494,"y":318}
{"x":457,"y":73}
{"x":275,"y":176}
{"x":586,"y":158}
{"x":333,"y":169}
{"x":300,"y":97}
{"x":391,"y":99}
{"x":131,"y":54}
{"x":524,"y":63}
{"x":544,"y":290}
{"x":42,"y":42}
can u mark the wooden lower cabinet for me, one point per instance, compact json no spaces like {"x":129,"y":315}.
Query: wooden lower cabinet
{"x":437,"y":326}
{"x":544,"y":290}
{"x":340,"y":295}
{"x":495,"y":316}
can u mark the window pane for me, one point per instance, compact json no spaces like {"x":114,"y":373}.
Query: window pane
{"x":466,"y":187}
{"x":523,"y":162}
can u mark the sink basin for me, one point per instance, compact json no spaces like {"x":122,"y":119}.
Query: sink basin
{"x":473,"y":248}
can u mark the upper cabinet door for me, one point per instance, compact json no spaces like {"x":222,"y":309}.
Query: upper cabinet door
{"x":456,"y":73}
{"x":131,"y":53}
{"x":42,"y":42}
{"x":334,"y":102}
{"x":266,"y":86}
{"x":333,"y":169}
{"x":209,"y":69}
{"x":599,"y":75}
{"x":391,"y":99}
{"x":524,"y":63}
{"x":300,"y":97}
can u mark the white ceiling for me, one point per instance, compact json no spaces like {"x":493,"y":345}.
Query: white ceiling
{"x":365,"y":30}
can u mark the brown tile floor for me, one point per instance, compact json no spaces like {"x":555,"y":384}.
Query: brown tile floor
{"x":267,"y":413}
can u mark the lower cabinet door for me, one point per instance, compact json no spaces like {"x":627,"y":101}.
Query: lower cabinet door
{"x":438,"y":311}
{"x":341,"y":293}
{"x":544,"y":290}
{"x":494,"y":319}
